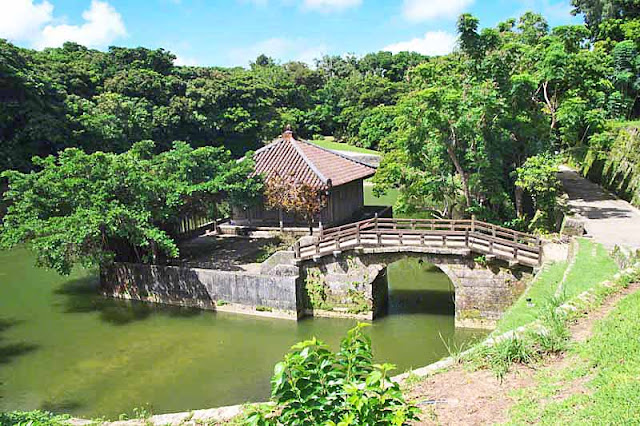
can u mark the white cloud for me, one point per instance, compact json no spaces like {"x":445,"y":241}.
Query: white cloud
{"x":426,"y":10}
{"x":283,"y":49}
{"x":22,"y":19}
{"x":102,"y":25}
{"x":185,"y":61}
{"x":330,"y":5}
{"x":433,"y":43}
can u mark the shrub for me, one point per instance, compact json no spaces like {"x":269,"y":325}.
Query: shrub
{"x":313,"y":385}
{"x":33,"y":418}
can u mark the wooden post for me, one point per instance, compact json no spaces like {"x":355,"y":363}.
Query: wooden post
{"x":413,"y":224}
{"x":338,"y":241}
{"x":297,"y":249}
{"x":444,"y":240}
{"x":473,"y":223}
{"x":421,"y":239}
{"x":320,"y":230}
{"x":378,"y":239}
{"x":466,"y":237}
{"x":539,"y":243}
{"x":358,"y":234}
{"x":318,"y":246}
{"x":400,"y":236}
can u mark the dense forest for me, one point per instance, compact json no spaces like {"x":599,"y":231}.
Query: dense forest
{"x":473,"y":132}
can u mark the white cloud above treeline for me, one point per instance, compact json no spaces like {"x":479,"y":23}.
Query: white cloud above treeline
{"x":429,"y":10}
{"x":35,"y":24}
{"x":433,"y":43}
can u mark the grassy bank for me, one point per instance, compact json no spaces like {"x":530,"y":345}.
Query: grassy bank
{"x":559,"y":282}
{"x":601,"y":375}
{"x":329,"y":143}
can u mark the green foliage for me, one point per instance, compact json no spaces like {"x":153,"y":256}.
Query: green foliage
{"x":33,"y":418}
{"x":313,"y":385}
{"x":316,"y":289}
{"x":91,"y":209}
{"x":538,"y":177}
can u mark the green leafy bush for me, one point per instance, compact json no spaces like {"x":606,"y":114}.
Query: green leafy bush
{"x":33,"y":418}
{"x":315,"y":386}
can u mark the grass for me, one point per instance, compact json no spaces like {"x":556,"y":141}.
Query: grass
{"x":555,"y":285}
{"x":607,"y":367}
{"x":592,"y":265}
{"x":541,"y":289}
{"x":329,"y":143}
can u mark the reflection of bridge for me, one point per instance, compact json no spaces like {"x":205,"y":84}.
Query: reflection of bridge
{"x":517,"y":248}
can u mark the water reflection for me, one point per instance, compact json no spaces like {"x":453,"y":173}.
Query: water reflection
{"x":95,"y":357}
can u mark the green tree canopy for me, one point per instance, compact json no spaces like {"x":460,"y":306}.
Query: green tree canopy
{"x":91,"y":209}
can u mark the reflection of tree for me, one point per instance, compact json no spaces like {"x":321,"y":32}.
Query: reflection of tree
{"x":286,"y":193}
{"x":11,"y":350}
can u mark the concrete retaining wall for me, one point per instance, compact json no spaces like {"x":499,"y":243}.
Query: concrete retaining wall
{"x":202,"y":288}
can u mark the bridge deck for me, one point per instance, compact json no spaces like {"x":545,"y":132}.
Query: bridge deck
{"x":480,"y":237}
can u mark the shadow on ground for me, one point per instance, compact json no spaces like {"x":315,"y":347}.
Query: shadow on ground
{"x":83,"y":295}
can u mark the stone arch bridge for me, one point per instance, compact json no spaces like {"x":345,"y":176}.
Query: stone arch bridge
{"x":343,"y":268}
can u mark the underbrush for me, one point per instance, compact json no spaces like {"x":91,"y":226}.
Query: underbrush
{"x":314,"y":385}
{"x":33,"y":418}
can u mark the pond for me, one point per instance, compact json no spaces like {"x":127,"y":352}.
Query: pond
{"x":64,"y":348}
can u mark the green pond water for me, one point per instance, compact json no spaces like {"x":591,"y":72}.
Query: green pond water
{"x":64,"y":348}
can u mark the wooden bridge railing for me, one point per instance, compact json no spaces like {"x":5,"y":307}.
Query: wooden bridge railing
{"x":480,"y":237}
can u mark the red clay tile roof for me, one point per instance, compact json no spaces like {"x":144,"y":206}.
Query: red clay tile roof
{"x":308,"y":163}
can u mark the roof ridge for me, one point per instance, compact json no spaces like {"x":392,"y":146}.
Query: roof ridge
{"x":309,"y":162}
{"x":339,"y":154}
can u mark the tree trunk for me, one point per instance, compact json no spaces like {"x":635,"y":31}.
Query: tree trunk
{"x":518,"y":195}
{"x":461,"y":172}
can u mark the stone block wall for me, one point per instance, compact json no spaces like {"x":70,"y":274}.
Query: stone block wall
{"x":202,"y":288}
{"x":482,"y":293}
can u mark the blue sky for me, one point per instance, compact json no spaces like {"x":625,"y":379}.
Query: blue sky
{"x":233,"y":32}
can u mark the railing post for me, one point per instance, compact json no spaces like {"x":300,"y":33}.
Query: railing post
{"x":466,"y":237}
{"x":321,"y":230}
{"x":317,"y":246}
{"x":400,"y":236}
{"x":378,"y":238}
{"x":444,"y":240}
{"x":338,"y":242}
{"x":473,"y":223}
{"x":539,"y":243}
{"x":296,"y":249}
{"x":358,"y":234}
{"x":421,"y":239}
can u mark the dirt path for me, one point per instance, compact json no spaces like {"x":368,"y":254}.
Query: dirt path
{"x":609,"y":220}
{"x":459,"y":397}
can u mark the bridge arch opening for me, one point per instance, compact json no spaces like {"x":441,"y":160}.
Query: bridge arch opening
{"x":414,"y":286}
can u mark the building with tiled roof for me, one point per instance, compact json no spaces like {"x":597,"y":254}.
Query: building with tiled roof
{"x":341,"y":176}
